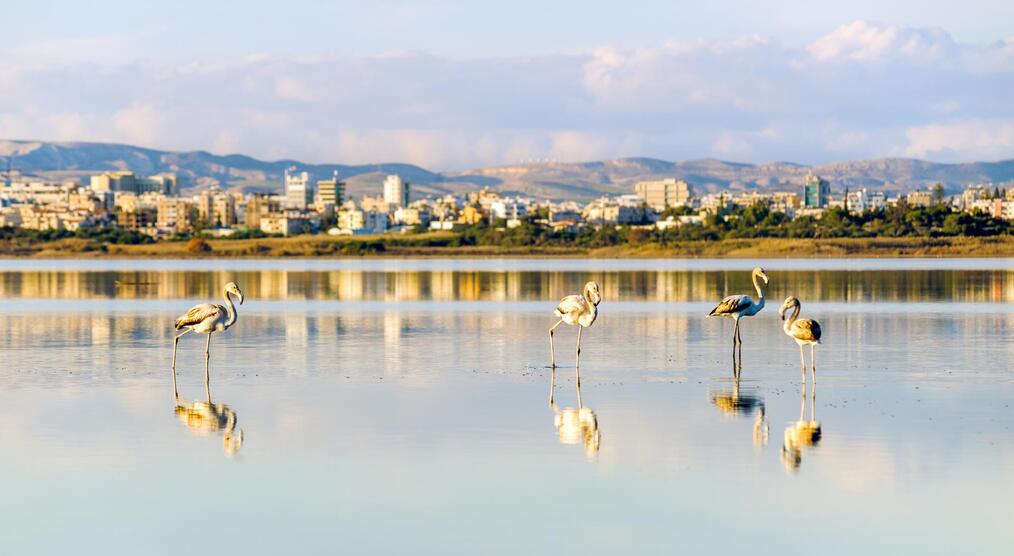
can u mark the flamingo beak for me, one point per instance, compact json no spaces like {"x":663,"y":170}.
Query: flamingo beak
{"x":240,"y":298}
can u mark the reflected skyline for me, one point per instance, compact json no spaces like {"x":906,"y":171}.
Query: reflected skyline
{"x":980,"y":286}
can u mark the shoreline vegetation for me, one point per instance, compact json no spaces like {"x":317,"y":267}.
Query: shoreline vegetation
{"x":743,"y":232}
{"x":442,"y":245}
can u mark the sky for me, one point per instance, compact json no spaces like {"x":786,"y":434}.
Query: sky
{"x":456,"y":85}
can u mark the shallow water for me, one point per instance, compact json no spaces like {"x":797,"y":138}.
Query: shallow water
{"x":393,"y":407}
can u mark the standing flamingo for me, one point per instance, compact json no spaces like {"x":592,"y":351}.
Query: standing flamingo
{"x":207,"y":319}
{"x":576,"y":309}
{"x":803,"y":331}
{"x":738,"y":306}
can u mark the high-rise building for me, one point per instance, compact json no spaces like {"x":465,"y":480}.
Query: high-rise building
{"x":396,"y":191}
{"x":662,"y":194}
{"x":298,"y":189}
{"x":331,"y":191}
{"x":815,"y":191}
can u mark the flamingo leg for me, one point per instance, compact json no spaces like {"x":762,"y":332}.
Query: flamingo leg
{"x":802,"y":363}
{"x":813,"y":366}
{"x":578,"y":358}
{"x":176,"y":342}
{"x":207,"y":367}
{"x":552,"y":349}
{"x":735,"y":333}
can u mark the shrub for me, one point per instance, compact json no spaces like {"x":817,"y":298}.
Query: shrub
{"x":198,"y":246}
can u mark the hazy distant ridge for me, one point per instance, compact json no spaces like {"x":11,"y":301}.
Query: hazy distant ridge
{"x":582,"y":180}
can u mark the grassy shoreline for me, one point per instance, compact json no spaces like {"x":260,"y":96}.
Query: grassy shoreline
{"x":419,"y":246}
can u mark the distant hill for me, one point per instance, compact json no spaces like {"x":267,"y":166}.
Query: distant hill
{"x":554,"y":180}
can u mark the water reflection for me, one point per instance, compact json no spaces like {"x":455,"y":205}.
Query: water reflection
{"x":207,"y":418}
{"x":738,"y":403}
{"x":803,"y":434}
{"x":993,"y":286}
{"x":574,"y":425}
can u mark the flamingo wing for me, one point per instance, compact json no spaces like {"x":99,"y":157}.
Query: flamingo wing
{"x":199,"y":314}
{"x":807,"y":330}
{"x":732,"y":305}
{"x":572,"y":304}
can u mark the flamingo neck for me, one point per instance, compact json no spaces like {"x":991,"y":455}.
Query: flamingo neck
{"x":757,"y":286}
{"x":231,"y":310}
{"x":792,"y":318}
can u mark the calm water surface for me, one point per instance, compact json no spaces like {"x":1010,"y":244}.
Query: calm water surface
{"x":402,"y":407}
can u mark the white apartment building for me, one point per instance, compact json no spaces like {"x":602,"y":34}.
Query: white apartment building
{"x":396,"y":191}
{"x":298,"y":189}
{"x":862,"y":200}
{"x":662,"y":194}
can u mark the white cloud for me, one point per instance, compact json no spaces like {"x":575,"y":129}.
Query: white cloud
{"x":140,"y":123}
{"x":863,"y":90}
{"x":962,"y":140}
{"x":865,"y":42}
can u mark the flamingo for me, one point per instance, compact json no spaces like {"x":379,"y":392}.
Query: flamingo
{"x":580,"y":310}
{"x":803,"y":331}
{"x":207,"y":319}
{"x":739,"y":306}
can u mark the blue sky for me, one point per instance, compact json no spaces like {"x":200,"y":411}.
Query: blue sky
{"x":458,"y":84}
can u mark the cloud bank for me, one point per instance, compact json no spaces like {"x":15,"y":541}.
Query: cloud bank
{"x":862,"y":90}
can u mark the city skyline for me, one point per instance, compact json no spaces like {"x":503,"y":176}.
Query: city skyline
{"x":841,"y":83}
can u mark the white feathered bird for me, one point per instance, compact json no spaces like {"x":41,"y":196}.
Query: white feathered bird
{"x":803,"y":331}
{"x":580,"y":310}
{"x":208,"y":319}
{"x":739,"y":306}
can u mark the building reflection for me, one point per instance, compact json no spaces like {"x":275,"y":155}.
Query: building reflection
{"x":575,"y":425}
{"x":802,"y":435}
{"x":995,"y":286}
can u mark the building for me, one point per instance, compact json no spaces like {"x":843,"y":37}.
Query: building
{"x":357,"y":221}
{"x":285,"y":223}
{"x":258,"y":206}
{"x":816,"y":191}
{"x":330,"y":191}
{"x":127,"y":182}
{"x":662,"y":194}
{"x":413,"y":216}
{"x":620,"y":210}
{"x":862,"y":200}
{"x":175,"y":214}
{"x":508,"y":209}
{"x":396,"y":191}
{"x":298,"y":189}
{"x":217,"y":209}
{"x":919,"y":198}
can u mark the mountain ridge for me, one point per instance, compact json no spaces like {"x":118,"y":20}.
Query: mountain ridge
{"x":555,"y":180}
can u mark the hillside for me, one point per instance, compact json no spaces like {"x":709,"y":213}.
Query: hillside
{"x":556,"y":180}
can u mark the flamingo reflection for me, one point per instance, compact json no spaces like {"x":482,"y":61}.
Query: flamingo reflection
{"x":575,"y":425}
{"x":206,"y":418}
{"x":737,"y":403}
{"x":803,"y":434}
